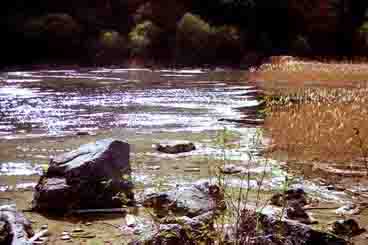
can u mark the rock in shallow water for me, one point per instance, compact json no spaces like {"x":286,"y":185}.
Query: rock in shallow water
{"x":96,"y":175}
{"x":190,"y":201}
{"x":175,"y":149}
{"x":100,"y":160}
{"x":232,"y":169}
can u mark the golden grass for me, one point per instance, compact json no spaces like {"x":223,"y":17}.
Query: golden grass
{"x":319,"y":132}
{"x":298,"y":72}
{"x":317,"y":114}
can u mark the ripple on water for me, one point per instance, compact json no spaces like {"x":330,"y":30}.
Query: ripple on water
{"x":20,"y":169}
{"x":59,"y":102}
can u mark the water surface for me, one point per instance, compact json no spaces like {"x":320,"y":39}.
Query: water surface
{"x":42,"y":112}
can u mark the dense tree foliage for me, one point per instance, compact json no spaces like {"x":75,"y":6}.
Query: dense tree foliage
{"x":226,"y":31}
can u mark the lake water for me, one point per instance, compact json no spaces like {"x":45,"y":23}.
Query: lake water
{"x":63,"y":102}
{"x":48,"y":112}
{"x":42,"y":113}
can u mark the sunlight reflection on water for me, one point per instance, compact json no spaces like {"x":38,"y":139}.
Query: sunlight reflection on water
{"x":59,"y":102}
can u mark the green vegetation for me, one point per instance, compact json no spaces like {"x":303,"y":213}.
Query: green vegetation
{"x":193,"y":39}
{"x":187,"y":31}
{"x":144,"y":37}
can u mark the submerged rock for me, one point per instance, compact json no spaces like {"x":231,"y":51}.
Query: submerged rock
{"x":175,"y":149}
{"x":96,"y":175}
{"x":187,"y":200}
{"x":15,"y":228}
{"x":349,"y":227}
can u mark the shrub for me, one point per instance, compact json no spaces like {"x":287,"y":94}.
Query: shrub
{"x":143,"y":38}
{"x":109,"y":47}
{"x":193,"y":36}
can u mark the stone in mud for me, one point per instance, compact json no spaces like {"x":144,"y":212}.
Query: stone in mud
{"x":275,"y":231}
{"x":15,"y":229}
{"x":94,"y":176}
{"x":190,"y":201}
{"x":183,"y":230}
{"x":175,"y":149}
{"x":296,"y":195}
{"x":349,"y":227}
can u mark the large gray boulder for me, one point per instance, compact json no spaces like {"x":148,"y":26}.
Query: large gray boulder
{"x":102,"y":159}
{"x":190,"y":201}
{"x":96,"y":175}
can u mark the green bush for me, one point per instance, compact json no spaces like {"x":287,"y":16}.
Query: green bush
{"x":144,"y":37}
{"x":193,"y":37}
{"x":107,"y":48}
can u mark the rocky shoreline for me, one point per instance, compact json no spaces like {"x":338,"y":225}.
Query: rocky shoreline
{"x":186,"y":214}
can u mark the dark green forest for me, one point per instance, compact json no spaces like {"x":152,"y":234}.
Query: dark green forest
{"x":187,"y":32}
